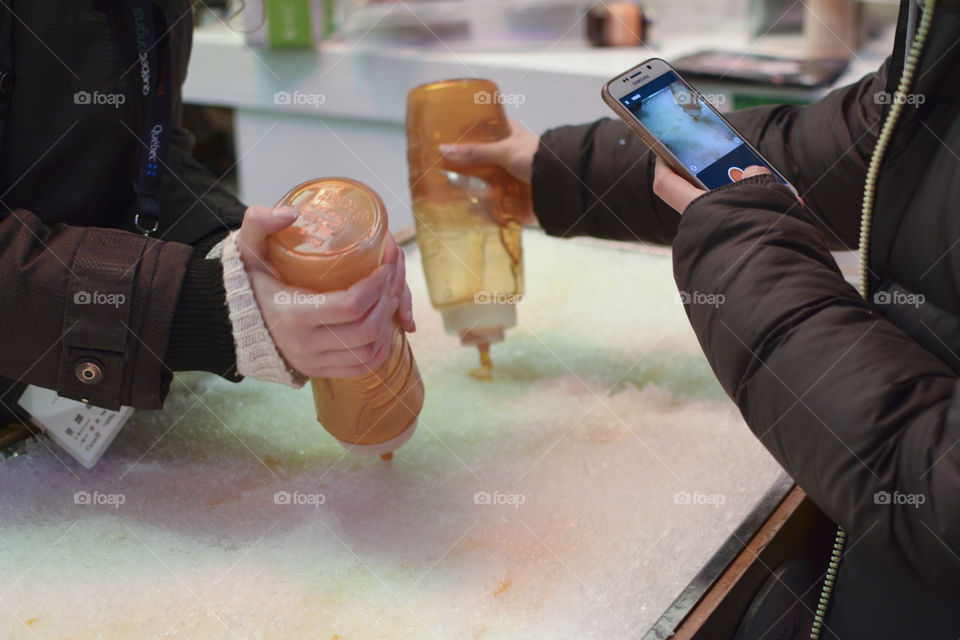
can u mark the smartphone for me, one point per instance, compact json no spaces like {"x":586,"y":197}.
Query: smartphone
{"x":681,"y":126}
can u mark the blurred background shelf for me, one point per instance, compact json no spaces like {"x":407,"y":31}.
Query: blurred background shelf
{"x":347,"y":98}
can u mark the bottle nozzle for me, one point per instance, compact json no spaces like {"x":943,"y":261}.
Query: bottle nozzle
{"x":482,"y":336}
{"x":480,"y":325}
{"x":485,"y":371}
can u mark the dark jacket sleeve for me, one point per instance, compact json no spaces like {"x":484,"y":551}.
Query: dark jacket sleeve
{"x":75,"y":296}
{"x":595,"y":179}
{"x":137,"y":308}
{"x":851,"y":407}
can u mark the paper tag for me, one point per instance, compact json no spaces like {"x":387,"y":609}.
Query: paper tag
{"x":83,"y":430}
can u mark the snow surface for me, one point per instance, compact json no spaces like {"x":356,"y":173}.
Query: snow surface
{"x":602,"y":416}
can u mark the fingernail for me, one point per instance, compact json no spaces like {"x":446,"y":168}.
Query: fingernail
{"x":408,"y":316}
{"x":448,"y":150}
{"x":285,"y":213}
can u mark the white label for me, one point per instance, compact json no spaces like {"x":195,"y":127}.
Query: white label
{"x":83,"y":430}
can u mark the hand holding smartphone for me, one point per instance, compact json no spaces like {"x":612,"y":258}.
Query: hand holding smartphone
{"x":681,"y":126}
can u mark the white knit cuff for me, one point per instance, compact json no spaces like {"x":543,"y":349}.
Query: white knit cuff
{"x":257,"y":355}
{"x":216,"y":252}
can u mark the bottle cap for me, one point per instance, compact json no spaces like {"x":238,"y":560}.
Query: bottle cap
{"x":476,"y":323}
{"x":336,"y":240}
{"x":381,"y":448}
{"x":482,"y":335}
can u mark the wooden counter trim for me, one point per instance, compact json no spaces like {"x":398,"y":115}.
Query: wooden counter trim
{"x":796,"y":529}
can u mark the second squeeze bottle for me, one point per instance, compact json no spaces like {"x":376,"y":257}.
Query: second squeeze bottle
{"x":469,"y":219}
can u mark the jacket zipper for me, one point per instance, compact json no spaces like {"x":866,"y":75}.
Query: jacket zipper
{"x":869,"y":199}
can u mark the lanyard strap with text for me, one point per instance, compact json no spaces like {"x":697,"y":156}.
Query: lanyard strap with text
{"x":153,"y":77}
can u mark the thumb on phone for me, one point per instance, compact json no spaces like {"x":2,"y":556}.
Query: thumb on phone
{"x":754,"y":170}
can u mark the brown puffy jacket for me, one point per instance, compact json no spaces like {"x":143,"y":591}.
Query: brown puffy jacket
{"x":856,"y":399}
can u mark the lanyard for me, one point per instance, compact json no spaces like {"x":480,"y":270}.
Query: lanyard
{"x":153,"y":82}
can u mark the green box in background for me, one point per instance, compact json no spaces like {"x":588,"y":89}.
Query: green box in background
{"x":289,"y":24}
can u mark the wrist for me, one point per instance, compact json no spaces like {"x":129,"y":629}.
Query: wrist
{"x":257,"y":354}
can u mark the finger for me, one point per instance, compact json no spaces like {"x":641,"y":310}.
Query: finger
{"x":341,"y":307}
{"x":258,"y":223}
{"x":462,"y":155}
{"x":521,"y":152}
{"x":515,"y":126}
{"x":347,"y":370}
{"x":372,"y":327}
{"x":390,"y":250}
{"x":399,"y":281}
{"x":343,"y":358}
{"x":399,"y":288}
{"x":391,"y":254}
{"x":405,"y":312}
{"x":755,"y":170}
{"x":672,"y":189}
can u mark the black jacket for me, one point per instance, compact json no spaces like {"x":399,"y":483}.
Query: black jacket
{"x":66,"y":189}
{"x":857,"y":400}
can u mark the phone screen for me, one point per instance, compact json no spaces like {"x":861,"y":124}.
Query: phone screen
{"x":692,"y":130}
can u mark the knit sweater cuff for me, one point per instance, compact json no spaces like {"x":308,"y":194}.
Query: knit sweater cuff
{"x":257,"y":355}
